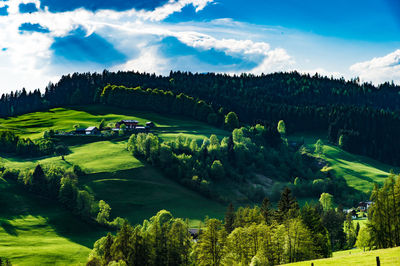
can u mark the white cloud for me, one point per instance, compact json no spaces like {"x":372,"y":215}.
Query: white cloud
{"x":27,"y":60}
{"x":379,"y":69}
{"x":162,"y":12}
{"x":149,"y":61}
{"x":275,"y":60}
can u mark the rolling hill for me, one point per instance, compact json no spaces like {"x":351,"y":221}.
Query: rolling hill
{"x":133,"y":189}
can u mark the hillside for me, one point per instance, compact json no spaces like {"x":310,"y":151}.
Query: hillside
{"x":388,"y":257}
{"x":360,"y":172}
{"x":36,"y":231}
{"x":133,"y":189}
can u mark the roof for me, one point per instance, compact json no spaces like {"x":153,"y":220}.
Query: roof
{"x":130,"y":121}
{"x":91,"y":128}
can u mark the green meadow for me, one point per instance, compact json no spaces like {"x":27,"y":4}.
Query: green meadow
{"x":33,"y":125}
{"x":360,"y":172}
{"x":388,"y":257}
{"x":34,"y":231}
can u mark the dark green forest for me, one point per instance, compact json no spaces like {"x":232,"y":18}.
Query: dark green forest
{"x":360,"y":117}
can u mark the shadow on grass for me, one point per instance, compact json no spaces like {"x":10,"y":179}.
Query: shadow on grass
{"x":18,"y":203}
{"x":8,"y":227}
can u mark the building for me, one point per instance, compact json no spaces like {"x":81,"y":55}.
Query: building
{"x":141,"y":129}
{"x":364,"y":205}
{"x":92,"y":131}
{"x":80,"y":131}
{"x":130,"y":124}
{"x":150,"y":124}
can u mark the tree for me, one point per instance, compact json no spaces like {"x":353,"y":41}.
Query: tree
{"x":104,"y":212}
{"x":266,"y":211}
{"x":281,"y":127}
{"x":38,"y":179}
{"x":287,"y":206}
{"x":363,"y":238}
{"x":231,"y":121}
{"x":217,"y":170}
{"x":326,"y":201}
{"x":229,"y":218}
{"x":319,"y":147}
{"x":350,"y":231}
{"x":102,"y":124}
{"x":211,"y":245}
{"x":61,"y":150}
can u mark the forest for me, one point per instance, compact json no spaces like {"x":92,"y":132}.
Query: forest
{"x":255,"y":236}
{"x":360,"y":117}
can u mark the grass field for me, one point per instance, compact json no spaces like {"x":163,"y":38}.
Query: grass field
{"x":36,"y":231}
{"x":101,"y":156}
{"x":33,"y":125}
{"x":388,"y":257}
{"x":139,"y":193}
{"x":360,"y":172}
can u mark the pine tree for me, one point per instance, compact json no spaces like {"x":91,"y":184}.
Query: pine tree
{"x":229,"y":218}
{"x":287,"y":206}
{"x":266,"y":210}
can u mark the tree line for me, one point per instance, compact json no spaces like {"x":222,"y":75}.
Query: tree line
{"x":11,"y":143}
{"x":160,"y":101}
{"x":247,"y":236}
{"x":365,"y":117}
{"x":62,"y":185}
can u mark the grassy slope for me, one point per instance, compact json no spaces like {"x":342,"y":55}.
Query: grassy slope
{"x":35,"y":231}
{"x":33,"y":125}
{"x":139,"y":193}
{"x":101,"y":156}
{"x":133,"y":190}
{"x":359,"y":171}
{"x":387,"y":257}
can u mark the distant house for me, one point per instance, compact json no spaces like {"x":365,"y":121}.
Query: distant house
{"x":92,"y":131}
{"x":80,"y":131}
{"x":140,"y":129}
{"x":130,"y":124}
{"x":194,"y":233}
{"x":364,"y":205}
{"x":150,"y":124}
{"x":354,"y":214}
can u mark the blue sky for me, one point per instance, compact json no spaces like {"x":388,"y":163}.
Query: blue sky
{"x":40,"y":40}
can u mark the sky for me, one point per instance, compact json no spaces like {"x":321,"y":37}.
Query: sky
{"x":41,"y":40}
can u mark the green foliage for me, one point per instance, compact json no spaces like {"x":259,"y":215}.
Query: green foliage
{"x":231,"y":121}
{"x":11,"y":143}
{"x":384,"y":214}
{"x":363,"y":238}
{"x":211,"y":246}
{"x":281,"y":127}
{"x":102,"y":124}
{"x":319,"y":147}
{"x":163,"y":240}
{"x":326,"y":201}
{"x":217,"y":170}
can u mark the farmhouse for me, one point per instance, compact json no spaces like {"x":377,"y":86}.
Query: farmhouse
{"x":150,"y":124}
{"x":364,"y":205}
{"x":141,"y":129}
{"x":80,"y":131}
{"x":130,"y":124}
{"x":92,"y":131}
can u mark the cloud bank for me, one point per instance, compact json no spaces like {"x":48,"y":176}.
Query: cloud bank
{"x":379,"y":69}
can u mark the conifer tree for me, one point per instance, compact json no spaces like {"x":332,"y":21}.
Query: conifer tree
{"x":229,"y":218}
